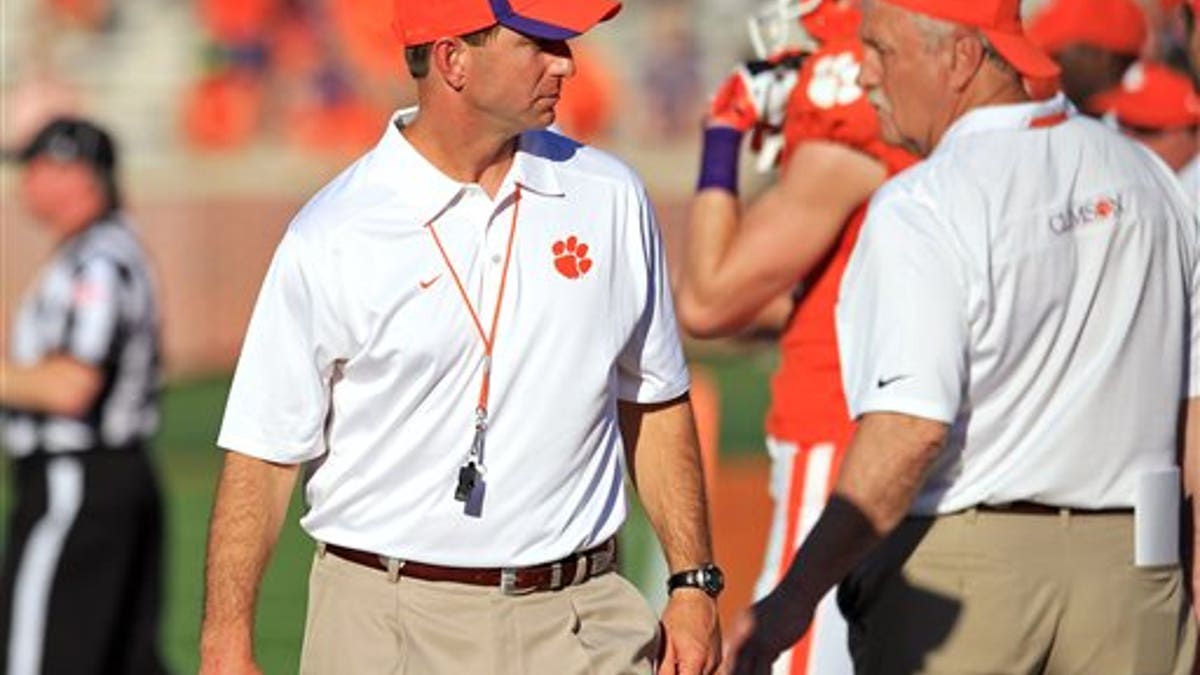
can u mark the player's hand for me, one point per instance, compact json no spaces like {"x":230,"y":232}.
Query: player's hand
{"x":755,"y":94}
{"x":760,"y":634}
{"x":691,"y":634}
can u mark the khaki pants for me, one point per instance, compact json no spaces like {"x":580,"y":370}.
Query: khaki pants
{"x":988,"y":593}
{"x":361,"y":623}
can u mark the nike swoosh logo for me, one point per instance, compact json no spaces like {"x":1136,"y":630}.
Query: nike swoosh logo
{"x":888,"y":381}
{"x":427,"y":284}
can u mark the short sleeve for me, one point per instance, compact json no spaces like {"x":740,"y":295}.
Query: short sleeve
{"x":95,"y":310}
{"x":828,"y":105}
{"x":651,"y":367}
{"x":901,"y":316}
{"x":279,"y":399}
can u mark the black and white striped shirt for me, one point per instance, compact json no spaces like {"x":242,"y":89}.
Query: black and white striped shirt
{"x":94,"y":302}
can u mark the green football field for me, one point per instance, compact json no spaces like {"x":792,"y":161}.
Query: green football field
{"x":188,"y":463}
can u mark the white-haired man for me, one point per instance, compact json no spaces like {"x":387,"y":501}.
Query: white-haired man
{"x":1013,"y":327}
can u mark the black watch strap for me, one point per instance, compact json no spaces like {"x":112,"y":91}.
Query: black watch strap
{"x":707,"y":578}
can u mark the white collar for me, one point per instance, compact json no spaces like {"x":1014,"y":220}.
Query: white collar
{"x":1007,"y":117}
{"x":432,"y":191}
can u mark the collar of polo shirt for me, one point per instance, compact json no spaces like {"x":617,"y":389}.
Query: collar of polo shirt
{"x":435,"y":191}
{"x":1009,"y":116}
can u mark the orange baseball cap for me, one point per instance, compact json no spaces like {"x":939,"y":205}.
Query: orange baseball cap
{"x":1000,"y":22}
{"x":417,"y":22}
{"x":833,"y":20}
{"x":1113,"y":25}
{"x":1151,"y":96}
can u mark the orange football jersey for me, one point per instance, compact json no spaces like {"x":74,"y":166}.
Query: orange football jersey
{"x":807,"y":404}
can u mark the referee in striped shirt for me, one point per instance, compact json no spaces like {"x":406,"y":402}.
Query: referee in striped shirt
{"x":79,"y":388}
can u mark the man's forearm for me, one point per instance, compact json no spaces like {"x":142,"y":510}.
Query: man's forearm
{"x":248,"y":513}
{"x":664,"y":457}
{"x":885,"y":465}
{"x":702,"y":292}
{"x":58,"y":385}
{"x":883,"y":470}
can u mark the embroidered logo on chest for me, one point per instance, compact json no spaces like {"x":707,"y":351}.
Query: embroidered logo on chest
{"x":571,"y":257}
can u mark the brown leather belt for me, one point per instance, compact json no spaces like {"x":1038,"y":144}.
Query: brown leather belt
{"x":573,"y":569}
{"x":1036,"y":509}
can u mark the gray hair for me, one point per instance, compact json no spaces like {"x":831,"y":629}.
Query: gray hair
{"x":937,"y":31}
{"x":934,"y":31}
{"x":996,"y":58}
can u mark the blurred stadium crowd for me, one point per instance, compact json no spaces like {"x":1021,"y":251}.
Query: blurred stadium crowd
{"x":229,"y":112}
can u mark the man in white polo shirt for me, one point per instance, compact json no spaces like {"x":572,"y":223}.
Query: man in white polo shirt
{"x":471,"y":331}
{"x":1013,"y":327}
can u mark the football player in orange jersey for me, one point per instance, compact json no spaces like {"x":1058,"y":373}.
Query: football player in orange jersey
{"x":792,"y":242}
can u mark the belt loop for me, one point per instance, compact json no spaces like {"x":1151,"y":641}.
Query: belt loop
{"x":581,"y":570}
{"x":972,"y":515}
{"x":394,"y":566}
{"x":556,"y":576}
{"x":320,"y":549}
{"x":1064,"y":516}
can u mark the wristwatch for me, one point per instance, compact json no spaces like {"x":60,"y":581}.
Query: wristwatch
{"x":707,"y":578}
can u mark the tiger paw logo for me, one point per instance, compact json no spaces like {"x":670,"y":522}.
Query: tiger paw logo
{"x":570,"y":258}
{"x":835,"y":81}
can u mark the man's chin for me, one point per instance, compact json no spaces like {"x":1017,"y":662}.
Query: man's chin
{"x":547,"y":118}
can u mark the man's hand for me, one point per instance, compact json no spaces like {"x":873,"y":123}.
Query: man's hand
{"x":761,"y":633}
{"x":691,"y":634}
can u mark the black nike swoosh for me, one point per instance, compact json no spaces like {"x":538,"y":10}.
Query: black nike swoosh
{"x":885,"y":382}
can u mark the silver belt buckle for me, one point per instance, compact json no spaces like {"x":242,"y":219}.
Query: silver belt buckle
{"x":508,"y":582}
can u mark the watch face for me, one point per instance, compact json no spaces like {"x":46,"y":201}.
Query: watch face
{"x":712,"y":579}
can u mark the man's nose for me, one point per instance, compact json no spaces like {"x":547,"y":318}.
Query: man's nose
{"x":562,"y":60}
{"x":868,"y":74}
{"x":564,"y":65}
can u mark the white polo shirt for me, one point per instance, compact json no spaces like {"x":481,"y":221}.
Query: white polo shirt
{"x":1189,"y":175}
{"x":362,"y":354}
{"x":1032,"y":287}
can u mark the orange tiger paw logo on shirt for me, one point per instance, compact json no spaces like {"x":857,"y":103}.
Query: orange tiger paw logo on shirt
{"x":570,"y":258}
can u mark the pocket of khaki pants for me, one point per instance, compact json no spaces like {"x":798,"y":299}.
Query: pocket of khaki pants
{"x":636,"y":599}
{"x":622,"y":625}
{"x":1160,"y":619}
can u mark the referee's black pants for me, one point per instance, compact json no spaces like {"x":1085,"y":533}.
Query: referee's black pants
{"x":82,"y":569}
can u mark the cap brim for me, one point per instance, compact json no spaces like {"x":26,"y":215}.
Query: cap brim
{"x":1143,"y":114}
{"x":1023,"y":54}
{"x":555,"y":19}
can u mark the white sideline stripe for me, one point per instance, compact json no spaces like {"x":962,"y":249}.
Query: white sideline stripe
{"x":816,"y":489}
{"x":782,"y":456}
{"x":39,"y":562}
